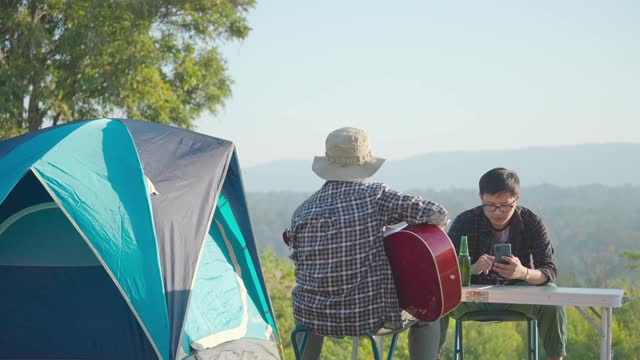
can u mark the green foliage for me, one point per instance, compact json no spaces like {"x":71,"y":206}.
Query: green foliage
{"x":499,"y":341}
{"x":156,"y":60}
{"x":483,"y":341}
{"x":280,"y":280}
{"x":634,"y":259}
{"x":584,"y":339}
{"x":626,"y":325}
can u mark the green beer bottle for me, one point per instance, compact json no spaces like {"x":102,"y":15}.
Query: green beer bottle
{"x":464,"y":262}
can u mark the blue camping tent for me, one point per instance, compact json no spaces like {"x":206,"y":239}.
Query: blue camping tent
{"x":123,"y":239}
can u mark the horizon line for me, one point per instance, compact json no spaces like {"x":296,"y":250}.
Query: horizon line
{"x":532,"y":147}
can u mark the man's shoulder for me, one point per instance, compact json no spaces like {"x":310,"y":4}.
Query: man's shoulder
{"x":528,"y":215}
{"x":333,"y":192}
{"x":470,"y":214}
{"x":370,"y":186}
{"x":307,"y":203}
{"x":362,"y":189}
{"x":466,"y":221}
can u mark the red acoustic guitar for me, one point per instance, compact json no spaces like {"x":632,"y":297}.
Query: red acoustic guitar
{"x":425,"y":270}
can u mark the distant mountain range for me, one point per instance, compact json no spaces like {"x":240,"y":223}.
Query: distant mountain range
{"x":606,"y":164}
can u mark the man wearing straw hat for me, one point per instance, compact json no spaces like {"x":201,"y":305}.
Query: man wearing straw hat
{"x":344,"y":284}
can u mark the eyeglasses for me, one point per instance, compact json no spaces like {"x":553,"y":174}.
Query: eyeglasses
{"x":502,"y":208}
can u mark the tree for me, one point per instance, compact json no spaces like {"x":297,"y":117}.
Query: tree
{"x":146,"y":59}
{"x":633,"y":258}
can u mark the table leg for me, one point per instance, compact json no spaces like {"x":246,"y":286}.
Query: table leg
{"x":354,"y":348}
{"x":609,"y":332}
{"x":605,"y":334}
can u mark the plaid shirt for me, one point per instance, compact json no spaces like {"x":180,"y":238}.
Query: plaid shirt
{"x":344,"y":282}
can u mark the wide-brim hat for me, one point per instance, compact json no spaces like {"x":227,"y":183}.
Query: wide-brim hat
{"x":347,"y":157}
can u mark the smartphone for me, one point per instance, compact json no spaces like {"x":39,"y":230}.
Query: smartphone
{"x":501,"y":250}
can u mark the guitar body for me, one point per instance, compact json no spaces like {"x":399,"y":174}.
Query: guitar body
{"x":425,"y":270}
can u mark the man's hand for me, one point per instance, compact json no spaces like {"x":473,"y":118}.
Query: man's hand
{"x":512,"y":270}
{"x":483,"y":265}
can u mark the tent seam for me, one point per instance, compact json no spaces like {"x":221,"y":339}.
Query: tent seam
{"x":153,"y":221}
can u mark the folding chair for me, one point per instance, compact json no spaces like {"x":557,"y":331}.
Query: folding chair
{"x":496,"y":316}
{"x":298,"y":349}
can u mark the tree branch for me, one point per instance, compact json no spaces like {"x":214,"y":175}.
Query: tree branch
{"x":56,"y":118}
{"x":34,"y":114}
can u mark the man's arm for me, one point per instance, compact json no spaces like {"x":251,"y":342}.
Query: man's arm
{"x":535,"y":277}
{"x":457,"y":229}
{"x":455,"y":232}
{"x":515,"y":270}
{"x":541,"y":251}
{"x":395,"y":207}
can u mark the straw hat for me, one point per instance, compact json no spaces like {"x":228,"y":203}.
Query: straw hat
{"x":348,"y":156}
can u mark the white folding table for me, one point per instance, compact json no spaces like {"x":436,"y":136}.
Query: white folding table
{"x":605,"y":299}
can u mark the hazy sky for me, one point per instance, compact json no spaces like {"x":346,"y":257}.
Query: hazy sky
{"x":424,"y":76}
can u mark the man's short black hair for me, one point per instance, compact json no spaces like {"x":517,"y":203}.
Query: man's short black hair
{"x":500,"y":180}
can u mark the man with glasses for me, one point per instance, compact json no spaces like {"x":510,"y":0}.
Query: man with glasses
{"x":499,"y":220}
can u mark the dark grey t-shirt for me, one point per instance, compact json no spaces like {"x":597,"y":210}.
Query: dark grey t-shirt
{"x":500,"y":236}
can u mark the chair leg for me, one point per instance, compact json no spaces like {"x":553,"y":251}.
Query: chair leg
{"x":354,"y":348}
{"x":458,"y":348}
{"x":532,"y":334}
{"x":455,"y":341}
{"x":533,"y":326}
{"x":392,"y":346}
{"x":298,"y":349}
{"x":461,"y":338}
{"x":303,"y":343}
{"x":529,"y":341}
{"x":374,"y":347}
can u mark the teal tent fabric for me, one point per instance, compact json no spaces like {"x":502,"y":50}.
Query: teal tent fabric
{"x":58,"y":301}
{"x":21,"y":239}
{"x":95,"y":175}
{"x":15,"y":164}
{"x":130,"y":216}
{"x":221,"y":306}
